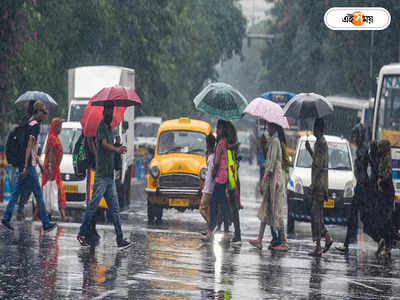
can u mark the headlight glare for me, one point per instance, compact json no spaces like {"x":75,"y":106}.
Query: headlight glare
{"x":155,"y":171}
{"x":203,"y":173}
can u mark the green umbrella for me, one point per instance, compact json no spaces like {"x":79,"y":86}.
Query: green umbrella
{"x":221,"y":101}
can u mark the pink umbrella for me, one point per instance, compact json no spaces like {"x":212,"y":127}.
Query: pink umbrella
{"x":267,"y":110}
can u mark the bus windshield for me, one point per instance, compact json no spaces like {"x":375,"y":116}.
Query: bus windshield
{"x":389,"y":107}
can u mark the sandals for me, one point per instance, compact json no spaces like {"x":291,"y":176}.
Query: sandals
{"x":281,"y":248}
{"x":256,"y":244}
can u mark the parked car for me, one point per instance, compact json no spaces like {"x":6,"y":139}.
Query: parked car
{"x":246,"y":146}
{"x":178,"y":169}
{"x":341,"y":182}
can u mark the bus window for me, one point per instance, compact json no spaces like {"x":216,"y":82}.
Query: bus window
{"x":389,"y":109}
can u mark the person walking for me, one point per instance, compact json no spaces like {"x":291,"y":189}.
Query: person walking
{"x":273,"y":208}
{"x":28,"y":179}
{"x":24,"y":197}
{"x":218,"y":201}
{"x":361,"y":174}
{"x":319,"y":188}
{"x":54,"y":152}
{"x":104,"y":184}
{"x":209,"y":181}
{"x":385,"y":198}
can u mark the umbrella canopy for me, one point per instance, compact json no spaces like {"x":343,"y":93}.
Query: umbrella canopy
{"x":221,"y":101}
{"x":93,"y":115}
{"x":307,"y":105}
{"x":35,"y":95}
{"x":267,"y":110}
{"x":120,"y":95}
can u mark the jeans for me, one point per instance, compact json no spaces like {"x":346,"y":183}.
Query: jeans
{"x":23,"y":199}
{"x":102,"y":187}
{"x":219,"y":203}
{"x":24,"y":186}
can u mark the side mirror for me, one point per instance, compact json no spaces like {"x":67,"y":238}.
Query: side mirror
{"x":39,"y":152}
{"x":125,"y":125}
{"x":151,"y":151}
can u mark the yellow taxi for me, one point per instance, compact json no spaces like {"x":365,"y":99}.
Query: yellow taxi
{"x":179,"y":167}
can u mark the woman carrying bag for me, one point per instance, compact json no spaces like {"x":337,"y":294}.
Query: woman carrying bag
{"x":53,"y":155}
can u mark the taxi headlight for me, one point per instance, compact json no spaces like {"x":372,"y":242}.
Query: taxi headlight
{"x":155,"y":171}
{"x":203,"y":173}
{"x":348,"y":190}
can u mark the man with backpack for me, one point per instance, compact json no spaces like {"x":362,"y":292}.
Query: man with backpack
{"x":24,"y":139}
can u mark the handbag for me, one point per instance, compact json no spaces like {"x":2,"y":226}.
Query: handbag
{"x":50,"y":196}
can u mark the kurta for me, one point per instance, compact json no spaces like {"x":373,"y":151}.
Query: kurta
{"x":273,"y":208}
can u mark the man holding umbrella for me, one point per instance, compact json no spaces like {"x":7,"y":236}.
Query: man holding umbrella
{"x":319,"y":188}
{"x":104,"y":184}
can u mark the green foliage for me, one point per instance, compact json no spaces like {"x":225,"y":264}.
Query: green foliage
{"x":307,"y":56}
{"x":172,"y":45}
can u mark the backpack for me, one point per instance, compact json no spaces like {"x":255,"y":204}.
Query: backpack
{"x":16,"y":145}
{"x":80,"y":157}
{"x":232,"y":170}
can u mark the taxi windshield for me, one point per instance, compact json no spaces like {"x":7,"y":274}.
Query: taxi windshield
{"x":339,"y":156}
{"x":182,"y":141}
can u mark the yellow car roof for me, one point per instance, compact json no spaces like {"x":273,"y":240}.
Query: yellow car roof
{"x":185,"y":124}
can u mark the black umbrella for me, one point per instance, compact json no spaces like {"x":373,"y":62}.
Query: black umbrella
{"x":307,"y":105}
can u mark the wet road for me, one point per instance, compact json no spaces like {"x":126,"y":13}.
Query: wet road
{"x":168,"y":261}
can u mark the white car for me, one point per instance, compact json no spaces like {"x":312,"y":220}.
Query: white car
{"x":341,"y":182}
{"x":146,"y":131}
{"x":74,"y":186}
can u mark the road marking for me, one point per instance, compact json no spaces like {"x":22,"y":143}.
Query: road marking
{"x":105,"y":294}
{"x":363,"y":285}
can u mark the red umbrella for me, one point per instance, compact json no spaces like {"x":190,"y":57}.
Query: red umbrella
{"x":121,"y":95}
{"x":93,"y":115}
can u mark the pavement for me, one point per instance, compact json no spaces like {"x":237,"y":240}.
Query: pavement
{"x":169,"y":261}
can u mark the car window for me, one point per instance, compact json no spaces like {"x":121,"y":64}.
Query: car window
{"x":181,"y":141}
{"x":339,"y":156}
{"x":146,"y":129}
{"x":68,"y":138}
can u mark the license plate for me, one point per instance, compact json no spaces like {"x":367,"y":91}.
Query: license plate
{"x":330,"y":203}
{"x":179,"y":202}
{"x":70,"y":188}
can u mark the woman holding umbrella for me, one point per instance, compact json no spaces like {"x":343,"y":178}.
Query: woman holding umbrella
{"x":273,"y":208}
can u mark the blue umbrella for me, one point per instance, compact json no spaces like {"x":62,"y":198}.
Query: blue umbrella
{"x":35,"y":95}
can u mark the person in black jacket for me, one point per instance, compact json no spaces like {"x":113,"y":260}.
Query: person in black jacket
{"x":361,"y":174}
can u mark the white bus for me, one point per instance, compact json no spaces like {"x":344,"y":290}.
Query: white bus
{"x":348,"y":112}
{"x":386,"y":121}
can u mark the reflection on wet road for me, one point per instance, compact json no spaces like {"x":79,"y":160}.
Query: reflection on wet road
{"x":170,"y":262}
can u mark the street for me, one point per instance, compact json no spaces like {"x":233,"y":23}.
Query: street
{"x":169,"y":261}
